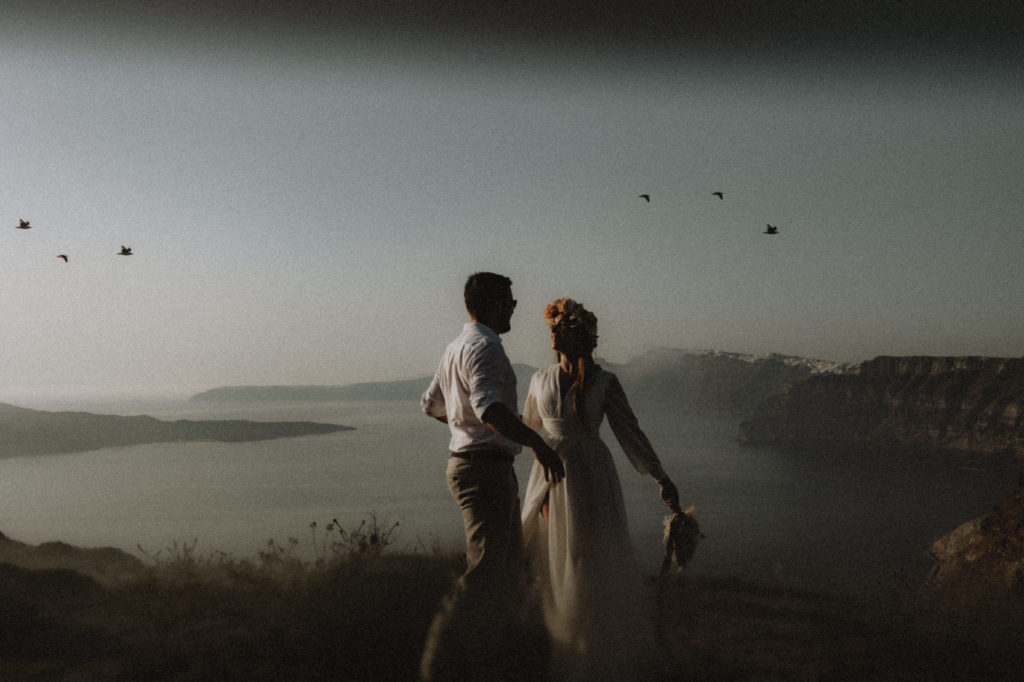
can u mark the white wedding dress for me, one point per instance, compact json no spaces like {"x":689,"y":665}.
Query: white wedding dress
{"x":581,"y":561}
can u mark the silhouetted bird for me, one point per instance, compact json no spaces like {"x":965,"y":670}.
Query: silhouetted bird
{"x":23,"y":225}
{"x":645,"y":197}
{"x":771,"y":230}
{"x":717,"y":194}
{"x":125,"y":251}
{"x":63,"y":257}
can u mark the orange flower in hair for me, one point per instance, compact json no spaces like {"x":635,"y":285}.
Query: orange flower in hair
{"x":571,"y":315}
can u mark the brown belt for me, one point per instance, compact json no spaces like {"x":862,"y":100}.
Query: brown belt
{"x":485,"y":456}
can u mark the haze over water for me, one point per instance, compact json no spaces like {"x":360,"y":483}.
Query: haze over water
{"x":823,"y":521}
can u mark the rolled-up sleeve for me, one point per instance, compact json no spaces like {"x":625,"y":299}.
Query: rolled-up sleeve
{"x":474,"y":374}
{"x":627,"y":432}
{"x":432,"y":401}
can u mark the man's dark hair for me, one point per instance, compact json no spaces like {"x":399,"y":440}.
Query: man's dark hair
{"x":484,"y":289}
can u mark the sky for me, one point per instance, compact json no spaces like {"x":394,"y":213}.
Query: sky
{"x":306,"y":186}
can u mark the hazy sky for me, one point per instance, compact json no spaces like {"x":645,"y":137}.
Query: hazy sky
{"x":305,"y":190}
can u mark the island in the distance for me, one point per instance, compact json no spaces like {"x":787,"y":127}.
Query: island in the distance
{"x":25,"y":431}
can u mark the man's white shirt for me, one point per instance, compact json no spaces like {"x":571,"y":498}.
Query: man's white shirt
{"x":474,"y":373}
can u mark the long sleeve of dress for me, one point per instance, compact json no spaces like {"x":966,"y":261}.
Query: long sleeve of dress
{"x":627,"y":431}
{"x":531,"y":414}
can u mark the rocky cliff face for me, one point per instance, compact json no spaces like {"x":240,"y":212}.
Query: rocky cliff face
{"x":978,"y":574}
{"x":966,"y":404}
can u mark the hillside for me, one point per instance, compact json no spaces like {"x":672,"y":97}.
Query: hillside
{"x":967,"y":404}
{"x":712,"y":382}
{"x":96,"y":614}
{"x":36,"y":432}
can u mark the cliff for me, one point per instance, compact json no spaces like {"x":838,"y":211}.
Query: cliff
{"x":37,"y":432}
{"x":712,"y":382}
{"x":968,"y":404}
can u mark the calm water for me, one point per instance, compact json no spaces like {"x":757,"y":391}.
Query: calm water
{"x":824,"y":521}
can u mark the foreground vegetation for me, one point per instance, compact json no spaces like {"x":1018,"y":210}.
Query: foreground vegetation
{"x":345,"y":605}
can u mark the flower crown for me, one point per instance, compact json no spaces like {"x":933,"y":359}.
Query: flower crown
{"x":572,"y":315}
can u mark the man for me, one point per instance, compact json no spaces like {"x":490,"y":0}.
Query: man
{"x":474,"y":392}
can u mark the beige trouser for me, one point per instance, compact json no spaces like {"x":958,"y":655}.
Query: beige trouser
{"x":468,"y":632}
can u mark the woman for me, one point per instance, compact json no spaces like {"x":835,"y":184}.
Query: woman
{"x":575,"y":532}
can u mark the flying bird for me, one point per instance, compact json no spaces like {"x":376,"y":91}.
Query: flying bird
{"x":24,"y":225}
{"x":125,"y":251}
{"x":645,"y":197}
{"x":63,"y":257}
{"x":771,"y":229}
{"x":717,"y":194}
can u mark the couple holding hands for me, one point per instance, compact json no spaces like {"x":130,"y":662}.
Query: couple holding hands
{"x":570,"y":532}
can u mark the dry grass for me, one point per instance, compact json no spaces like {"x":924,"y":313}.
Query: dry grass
{"x":357,"y":610}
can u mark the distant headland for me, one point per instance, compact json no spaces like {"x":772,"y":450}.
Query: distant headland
{"x":384,"y":391}
{"x":703,"y":382}
{"x":408,"y":389}
{"x":36,"y":432}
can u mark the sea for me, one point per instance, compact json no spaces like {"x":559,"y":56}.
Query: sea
{"x":826,"y":520}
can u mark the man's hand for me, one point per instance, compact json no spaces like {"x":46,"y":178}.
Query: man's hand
{"x":669,"y":494}
{"x":549,"y":460}
{"x":501,"y":419}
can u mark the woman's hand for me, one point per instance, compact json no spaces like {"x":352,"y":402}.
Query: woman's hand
{"x":670,"y":494}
